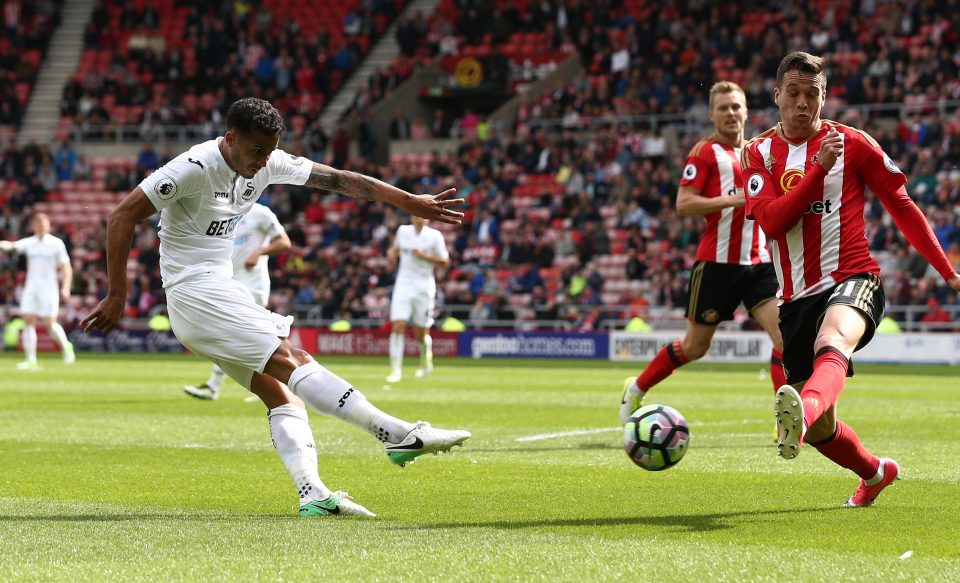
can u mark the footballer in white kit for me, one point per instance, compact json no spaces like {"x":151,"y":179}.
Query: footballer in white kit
{"x":46,"y":259}
{"x":258,"y":235}
{"x":419,"y":249}
{"x":202,"y":194}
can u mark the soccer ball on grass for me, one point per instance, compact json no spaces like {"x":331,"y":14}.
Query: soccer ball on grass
{"x":656,"y":437}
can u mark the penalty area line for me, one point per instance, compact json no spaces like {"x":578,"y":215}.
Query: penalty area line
{"x":543,"y":436}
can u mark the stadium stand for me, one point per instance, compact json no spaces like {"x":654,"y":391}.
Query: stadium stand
{"x":149,"y":66}
{"x":27,"y":28}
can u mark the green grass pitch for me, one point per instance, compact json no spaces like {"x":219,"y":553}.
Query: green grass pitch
{"x":109,"y":473}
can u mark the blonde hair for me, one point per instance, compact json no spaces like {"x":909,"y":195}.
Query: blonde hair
{"x":724,"y":87}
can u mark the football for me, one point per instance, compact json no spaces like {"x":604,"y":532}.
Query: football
{"x":656,"y":437}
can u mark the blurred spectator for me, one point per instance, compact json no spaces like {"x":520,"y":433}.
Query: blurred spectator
{"x":936,"y":313}
{"x":147,"y":161}
{"x":400,"y":128}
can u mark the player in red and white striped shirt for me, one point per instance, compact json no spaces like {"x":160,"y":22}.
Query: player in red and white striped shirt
{"x":733,"y":264}
{"x":805,"y":186}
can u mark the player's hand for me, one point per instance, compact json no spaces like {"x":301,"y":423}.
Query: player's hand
{"x":106,"y":315}
{"x":251,"y":262}
{"x":435,"y":207}
{"x":830,"y":149}
{"x":954,"y":282}
{"x":64,"y":293}
{"x":737,"y":200}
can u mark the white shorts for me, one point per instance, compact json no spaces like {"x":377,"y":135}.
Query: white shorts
{"x":217,"y":318}
{"x":40,"y":301}
{"x":414,"y":305}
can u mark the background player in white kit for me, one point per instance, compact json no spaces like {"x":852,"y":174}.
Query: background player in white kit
{"x":259,"y":235}
{"x":202,"y":194}
{"x":46,"y":258}
{"x":419,"y":248}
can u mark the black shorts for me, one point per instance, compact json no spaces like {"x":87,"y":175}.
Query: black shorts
{"x":716,"y":289}
{"x":800,"y":321}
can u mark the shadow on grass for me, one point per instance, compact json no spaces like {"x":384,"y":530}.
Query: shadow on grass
{"x":688,"y":522}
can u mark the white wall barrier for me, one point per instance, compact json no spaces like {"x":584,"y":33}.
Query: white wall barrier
{"x":727,"y":346}
{"x":756,"y":346}
{"x":912,"y":348}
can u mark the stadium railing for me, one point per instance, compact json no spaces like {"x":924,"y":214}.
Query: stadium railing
{"x":687,"y":123}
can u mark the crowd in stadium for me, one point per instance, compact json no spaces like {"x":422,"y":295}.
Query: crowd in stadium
{"x":545,"y":200}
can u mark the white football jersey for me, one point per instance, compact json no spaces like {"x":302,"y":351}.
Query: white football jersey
{"x":255,"y":230}
{"x":414,"y":271}
{"x":44,"y":257}
{"x":201,"y":200}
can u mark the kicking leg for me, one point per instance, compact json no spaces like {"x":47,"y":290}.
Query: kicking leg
{"x":329,"y":394}
{"x":843,"y":447}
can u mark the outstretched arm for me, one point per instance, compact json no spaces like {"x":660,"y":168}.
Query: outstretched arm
{"x":6,"y":246}
{"x":911,"y":221}
{"x":120,"y":225}
{"x":355,"y":185}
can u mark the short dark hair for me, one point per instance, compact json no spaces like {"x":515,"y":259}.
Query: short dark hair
{"x":250,"y":115}
{"x":802,"y":62}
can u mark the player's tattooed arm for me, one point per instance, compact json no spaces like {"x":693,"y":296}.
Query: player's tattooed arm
{"x":342,"y":181}
{"x":429,"y":206}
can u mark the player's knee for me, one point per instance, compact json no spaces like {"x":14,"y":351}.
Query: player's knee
{"x":694,"y":350}
{"x":832,"y":338}
{"x":300,"y":357}
{"x":285,"y":360}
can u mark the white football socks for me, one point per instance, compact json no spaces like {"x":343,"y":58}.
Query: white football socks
{"x":329,"y":394}
{"x":426,"y":351}
{"x":216,"y":378}
{"x":58,"y":333}
{"x":294,"y":443}
{"x":30,"y":343}
{"x":396,"y":352}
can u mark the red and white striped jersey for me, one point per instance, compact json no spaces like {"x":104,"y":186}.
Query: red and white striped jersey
{"x":828,"y":244}
{"x":714,"y":169}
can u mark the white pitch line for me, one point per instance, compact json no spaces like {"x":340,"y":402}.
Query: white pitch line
{"x":543,"y":436}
